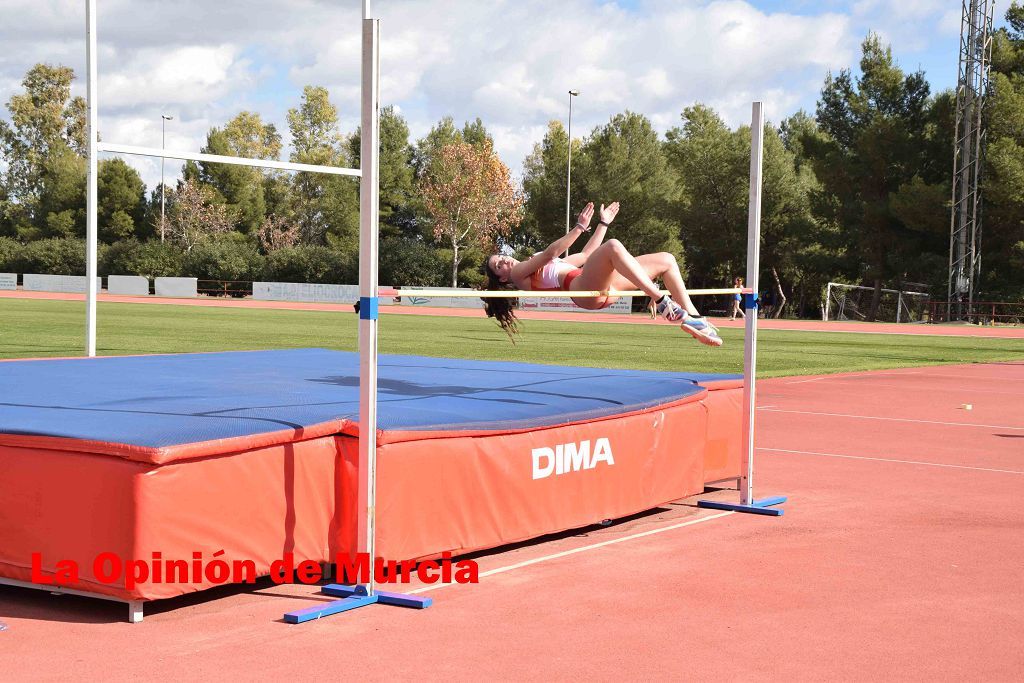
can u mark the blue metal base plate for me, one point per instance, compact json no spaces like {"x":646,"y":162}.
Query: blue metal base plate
{"x":351,"y":598}
{"x":757,"y":507}
{"x":383,"y":597}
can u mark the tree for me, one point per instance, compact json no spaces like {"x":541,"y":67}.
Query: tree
{"x":196,"y":216}
{"x":60,"y":206}
{"x":122,"y":200}
{"x":713,"y":167}
{"x":1002,"y":244}
{"x":791,"y":238}
{"x":241,"y":186}
{"x":624,"y":161}
{"x":470,"y":197}
{"x":276,"y":233}
{"x":150,"y":259}
{"x":429,"y":147}
{"x":875,"y":130}
{"x":6,"y":224}
{"x":544,"y":179}
{"x":396,"y":174}
{"x":45,"y":123}
{"x":475,"y":133}
{"x":324,"y":204}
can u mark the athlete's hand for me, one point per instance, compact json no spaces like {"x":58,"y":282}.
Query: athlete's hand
{"x":583,"y":220}
{"x":608,"y":213}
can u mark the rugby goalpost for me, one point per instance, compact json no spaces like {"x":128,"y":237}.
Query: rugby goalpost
{"x":368,"y":173}
{"x":908,"y":305}
{"x":352,"y":597}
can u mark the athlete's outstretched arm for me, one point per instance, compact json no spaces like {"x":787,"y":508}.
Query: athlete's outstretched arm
{"x":606,"y":215}
{"x":525,"y":269}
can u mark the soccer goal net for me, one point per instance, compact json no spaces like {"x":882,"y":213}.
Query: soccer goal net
{"x":853,"y":302}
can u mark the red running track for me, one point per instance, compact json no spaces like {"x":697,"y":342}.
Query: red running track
{"x":1015,"y":332}
{"x":899,"y":558}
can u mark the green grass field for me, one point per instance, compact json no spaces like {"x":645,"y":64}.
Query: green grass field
{"x":34,"y":328}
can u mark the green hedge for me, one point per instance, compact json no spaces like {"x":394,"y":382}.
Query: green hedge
{"x":150,"y":259}
{"x":231,"y":257}
{"x":55,"y":256}
{"x":235,"y":257}
{"x":406,"y":262}
{"x":315,"y":264}
{"x":10,"y":252}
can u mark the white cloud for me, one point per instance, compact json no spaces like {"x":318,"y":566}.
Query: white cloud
{"x":910,"y":24}
{"x":509,"y":62}
{"x":949,"y":24}
{"x":185,"y":75}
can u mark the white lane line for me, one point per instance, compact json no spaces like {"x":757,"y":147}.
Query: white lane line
{"x":894,"y":419}
{"x":761,"y":328}
{"x":867,"y":374}
{"x":967,"y":389}
{"x":555,"y":556}
{"x":975,"y":378}
{"x":905,"y":462}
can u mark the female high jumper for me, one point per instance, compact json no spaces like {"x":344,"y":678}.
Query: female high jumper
{"x":601,"y":266}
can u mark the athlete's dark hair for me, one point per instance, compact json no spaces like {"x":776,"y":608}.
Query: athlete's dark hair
{"x":502,"y":310}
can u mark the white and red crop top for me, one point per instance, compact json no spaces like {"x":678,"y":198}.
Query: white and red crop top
{"x":549,"y":277}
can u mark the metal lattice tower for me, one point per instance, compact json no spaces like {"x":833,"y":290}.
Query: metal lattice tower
{"x":968,"y":151}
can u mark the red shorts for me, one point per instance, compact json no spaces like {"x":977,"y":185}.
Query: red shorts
{"x":602,"y":301}
{"x":570,"y":276}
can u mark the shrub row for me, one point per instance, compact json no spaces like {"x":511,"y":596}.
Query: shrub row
{"x":232,"y":257}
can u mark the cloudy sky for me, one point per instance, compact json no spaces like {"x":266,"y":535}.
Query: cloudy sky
{"x":509,"y":62}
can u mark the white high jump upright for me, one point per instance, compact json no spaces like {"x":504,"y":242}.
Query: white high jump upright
{"x":368,"y":235}
{"x":353,"y":596}
{"x":91,"y":183}
{"x":750,"y":304}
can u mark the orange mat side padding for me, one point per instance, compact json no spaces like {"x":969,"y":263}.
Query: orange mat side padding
{"x":457,"y":493}
{"x":723,"y":450}
{"x":65,"y":506}
{"x":465,"y":494}
{"x":256,"y":506}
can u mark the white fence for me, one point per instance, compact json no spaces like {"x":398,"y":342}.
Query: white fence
{"x":177,"y":287}
{"x":187,"y":287}
{"x":310,"y":292}
{"x":129,"y":285}
{"x":623,"y":305}
{"x":33,"y":282}
{"x":409,"y":298}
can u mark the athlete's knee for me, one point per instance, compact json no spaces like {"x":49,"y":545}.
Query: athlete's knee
{"x":615,"y":245}
{"x":668,"y":259}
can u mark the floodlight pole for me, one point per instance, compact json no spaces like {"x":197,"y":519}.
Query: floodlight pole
{"x":568,"y":169}
{"x":163,"y":187}
{"x":91,"y":191}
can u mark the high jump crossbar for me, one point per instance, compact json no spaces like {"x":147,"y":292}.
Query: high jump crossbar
{"x":221,"y":159}
{"x":542,"y":294}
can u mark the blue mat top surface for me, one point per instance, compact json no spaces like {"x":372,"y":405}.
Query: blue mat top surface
{"x":161,"y":401}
